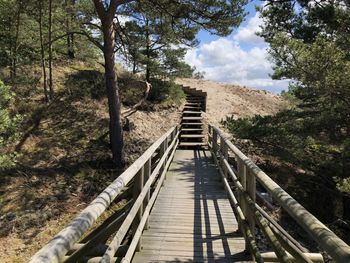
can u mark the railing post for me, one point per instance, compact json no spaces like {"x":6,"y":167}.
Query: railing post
{"x":138,"y":186}
{"x":147,"y":174}
{"x":242,"y":176}
{"x":251,"y":190}
{"x":224,"y":154}
{"x":215,"y":141}
{"x":210,"y":133}
{"x":163,"y":148}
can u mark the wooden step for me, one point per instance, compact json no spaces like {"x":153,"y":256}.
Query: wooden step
{"x":191,"y":130}
{"x":194,"y":101}
{"x":194,"y":98}
{"x":193,"y":107}
{"x":191,"y":112}
{"x":192,"y":104}
{"x":191,"y":144}
{"x":192,"y":123}
{"x":196,"y":136}
{"x":192,"y":118}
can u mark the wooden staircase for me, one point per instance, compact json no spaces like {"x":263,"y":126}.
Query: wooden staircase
{"x":191,"y":135}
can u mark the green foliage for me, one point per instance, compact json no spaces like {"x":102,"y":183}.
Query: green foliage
{"x":166,"y":91}
{"x":158,"y":34}
{"x":8,"y":126}
{"x":301,"y":138}
{"x":310,"y":45}
{"x":153,"y":44}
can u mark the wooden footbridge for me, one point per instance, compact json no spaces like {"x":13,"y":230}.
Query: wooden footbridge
{"x":192,"y":201}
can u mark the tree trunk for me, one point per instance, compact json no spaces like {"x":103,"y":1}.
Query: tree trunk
{"x":115,"y":123}
{"x":15,"y":45}
{"x":50,"y":50}
{"x":42,"y":51}
{"x":148,"y":70}
{"x":70,"y":36}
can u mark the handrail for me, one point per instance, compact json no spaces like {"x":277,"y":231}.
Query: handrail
{"x":58,"y":247}
{"x":248,"y":172}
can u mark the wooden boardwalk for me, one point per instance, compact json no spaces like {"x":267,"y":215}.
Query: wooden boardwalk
{"x":192,"y":219}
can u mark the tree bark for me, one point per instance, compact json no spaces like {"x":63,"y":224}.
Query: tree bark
{"x":70,"y":35}
{"x":114,"y":104}
{"x":42,"y":51}
{"x":50,"y":51}
{"x":115,"y":124}
{"x":148,"y":70}
{"x":15,"y":45}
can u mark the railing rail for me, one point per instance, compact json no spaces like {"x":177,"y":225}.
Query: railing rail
{"x":143,"y":176}
{"x":249,"y":214}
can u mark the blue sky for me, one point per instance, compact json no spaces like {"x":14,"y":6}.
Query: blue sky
{"x":240,"y":58}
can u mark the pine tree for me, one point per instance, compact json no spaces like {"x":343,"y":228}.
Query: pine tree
{"x":218,"y":17}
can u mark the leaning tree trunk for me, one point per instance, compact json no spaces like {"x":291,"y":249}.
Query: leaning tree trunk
{"x":148,"y":55}
{"x":42,"y":51}
{"x":50,"y":51}
{"x":15,"y":45}
{"x":115,"y":123}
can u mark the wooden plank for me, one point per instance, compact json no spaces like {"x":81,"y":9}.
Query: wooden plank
{"x":191,"y":118}
{"x":191,"y":130}
{"x":192,"y":144}
{"x":198,"y":256}
{"x":192,"y":217}
{"x":192,"y":112}
{"x":191,"y":123}
{"x":195,"y":136}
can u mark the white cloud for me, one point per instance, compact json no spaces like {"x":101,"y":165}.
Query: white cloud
{"x":122,"y":19}
{"x":229,"y":60}
{"x":247,"y":34}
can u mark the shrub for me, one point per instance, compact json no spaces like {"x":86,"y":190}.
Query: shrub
{"x":8,"y":126}
{"x":166,"y":91}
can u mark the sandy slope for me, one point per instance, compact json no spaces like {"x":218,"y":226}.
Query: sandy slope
{"x":227,"y":100}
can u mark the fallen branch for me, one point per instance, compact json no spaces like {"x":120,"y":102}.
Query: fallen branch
{"x":134,"y":108}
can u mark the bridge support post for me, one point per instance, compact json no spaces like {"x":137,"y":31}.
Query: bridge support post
{"x":215,"y":142}
{"x":210,"y":134}
{"x":163,"y":148}
{"x":242,"y":175}
{"x":147,"y":173}
{"x":224,"y":155}
{"x":251,"y":190}
{"x":138,"y":186}
{"x":248,"y":182}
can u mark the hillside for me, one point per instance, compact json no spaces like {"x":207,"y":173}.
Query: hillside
{"x":231,"y":100}
{"x":64,"y":159}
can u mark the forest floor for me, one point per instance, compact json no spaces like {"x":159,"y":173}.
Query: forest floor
{"x":64,"y":160}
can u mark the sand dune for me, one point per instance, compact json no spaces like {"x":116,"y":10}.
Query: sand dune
{"x":229,"y":100}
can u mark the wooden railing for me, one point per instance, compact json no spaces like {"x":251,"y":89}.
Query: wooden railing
{"x":239,"y":170}
{"x":147,"y":174}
